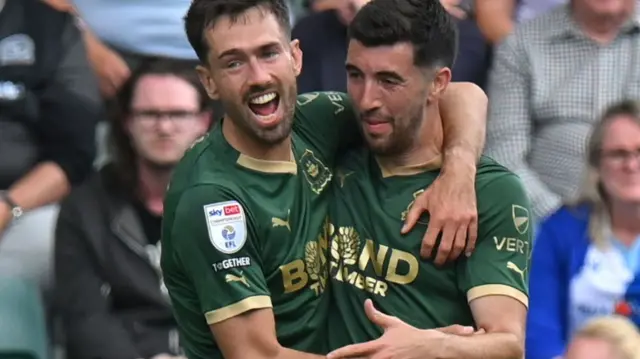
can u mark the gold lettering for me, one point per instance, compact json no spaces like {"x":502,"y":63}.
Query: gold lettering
{"x":336,"y":100}
{"x":370,"y":284}
{"x":351,"y":277}
{"x":294,"y":276}
{"x":381,"y":288}
{"x":398,"y":256}
{"x":514,"y":245}
{"x":368,"y":253}
{"x":360,"y":281}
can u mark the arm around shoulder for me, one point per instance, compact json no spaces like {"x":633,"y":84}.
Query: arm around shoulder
{"x":464,"y":120}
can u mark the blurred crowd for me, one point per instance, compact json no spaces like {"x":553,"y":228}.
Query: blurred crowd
{"x":99,"y":100}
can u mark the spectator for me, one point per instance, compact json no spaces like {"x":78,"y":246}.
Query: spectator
{"x":49,"y":104}
{"x":606,"y":338}
{"x":550,"y":78}
{"x":108,"y":284}
{"x":586,"y":255}
{"x":324,"y":56}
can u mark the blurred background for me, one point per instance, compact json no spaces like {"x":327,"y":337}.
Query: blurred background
{"x":99,"y":100}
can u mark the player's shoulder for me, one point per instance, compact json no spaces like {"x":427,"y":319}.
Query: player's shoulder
{"x":322,"y":104}
{"x":204,"y":173}
{"x":490,"y":173}
{"x":497,"y":186}
{"x":354,"y":164}
{"x":355,"y":159}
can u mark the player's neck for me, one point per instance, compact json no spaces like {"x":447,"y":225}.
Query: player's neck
{"x":426,"y":152}
{"x":244,"y":144}
{"x":152,"y":185}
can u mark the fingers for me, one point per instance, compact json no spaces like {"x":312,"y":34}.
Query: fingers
{"x":446,"y":244}
{"x":355,"y":350}
{"x":459,"y":242}
{"x":420,"y":205}
{"x":377,"y":317}
{"x":472,"y":237}
{"x":429,"y":239}
{"x":457,"y":330}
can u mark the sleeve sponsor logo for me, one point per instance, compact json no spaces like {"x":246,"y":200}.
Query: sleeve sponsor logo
{"x":231,"y":263}
{"x":520,"y":217}
{"x":227,"y":227}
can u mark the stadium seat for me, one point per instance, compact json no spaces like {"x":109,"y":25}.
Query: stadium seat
{"x":23,"y":333}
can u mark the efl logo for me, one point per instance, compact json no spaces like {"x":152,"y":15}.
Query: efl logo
{"x":231,"y":210}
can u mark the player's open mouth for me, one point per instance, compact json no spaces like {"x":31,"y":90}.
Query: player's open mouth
{"x":265,"y":106}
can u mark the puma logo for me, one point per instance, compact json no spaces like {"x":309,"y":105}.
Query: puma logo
{"x":279,"y":222}
{"x":342,"y":176}
{"x":234,"y":278}
{"x":515,"y":268}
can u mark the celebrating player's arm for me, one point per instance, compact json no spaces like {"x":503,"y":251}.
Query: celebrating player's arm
{"x":219,"y":251}
{"x":451,"y":199}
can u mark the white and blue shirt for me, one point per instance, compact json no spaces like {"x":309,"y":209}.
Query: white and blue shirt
{"x":573,"y":281}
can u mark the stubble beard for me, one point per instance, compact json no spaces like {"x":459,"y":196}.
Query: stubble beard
{"x":240,"y":115}
{"x":400,"y":140}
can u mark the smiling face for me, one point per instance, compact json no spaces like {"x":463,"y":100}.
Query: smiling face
{"x":252,"y":70}
{"x":393,"y":97}
{"x":620,"y":160}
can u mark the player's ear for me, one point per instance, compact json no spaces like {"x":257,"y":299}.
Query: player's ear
{"x":441,"y":80}
{"x":207,"y":81}
{"x":296,"y":56}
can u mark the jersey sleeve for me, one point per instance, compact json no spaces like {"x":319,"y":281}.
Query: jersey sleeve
{"x":500,"y":263}
{"x":328,"y":120}
{"x":215,"y":241}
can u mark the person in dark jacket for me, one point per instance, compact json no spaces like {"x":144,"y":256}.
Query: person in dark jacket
{"x":109,"y":289}
{"x":49,"y":106}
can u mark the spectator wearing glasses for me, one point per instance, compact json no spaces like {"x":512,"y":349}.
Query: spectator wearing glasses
{"x":587,"y":255}
{"x":109,"y":287}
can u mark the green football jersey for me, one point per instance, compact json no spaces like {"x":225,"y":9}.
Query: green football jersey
{"x":369,"y":258}
{"x":241,"y":234}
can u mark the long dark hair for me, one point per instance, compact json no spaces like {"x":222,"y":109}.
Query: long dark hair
{"x":122,"y":155}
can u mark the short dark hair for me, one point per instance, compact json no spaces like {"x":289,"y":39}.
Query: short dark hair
{"x":423,"y":23}
{"x":204,"y":13}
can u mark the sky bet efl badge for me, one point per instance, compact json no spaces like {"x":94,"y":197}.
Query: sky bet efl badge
{"x":227,"y":226}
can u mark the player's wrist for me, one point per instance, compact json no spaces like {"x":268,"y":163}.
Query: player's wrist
{"x":459,"y":162}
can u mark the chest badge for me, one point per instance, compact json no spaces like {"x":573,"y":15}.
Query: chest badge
{"x":315,"y":172}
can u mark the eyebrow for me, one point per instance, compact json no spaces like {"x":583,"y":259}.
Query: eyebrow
{"x":350,"y":67}
{"x":387,"y":74}
{"x":236,"y":51}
